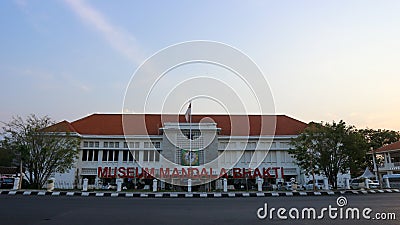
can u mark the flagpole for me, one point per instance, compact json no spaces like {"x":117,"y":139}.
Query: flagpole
{"x":190,"y":136}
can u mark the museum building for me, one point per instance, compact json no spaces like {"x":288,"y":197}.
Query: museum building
{"x":135,"y":148}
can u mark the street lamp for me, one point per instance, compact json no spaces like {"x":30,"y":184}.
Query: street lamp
{"x":376,"y":167}
{"x":311,"y":153}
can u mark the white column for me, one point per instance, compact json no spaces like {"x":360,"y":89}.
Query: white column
{"x":85,"y":184}
{"x":326,"y":185}
{"x":119,"y":185}
{"x":162,"y":185}
{"x":259,"y":184}
{"x":16,"y":183}
{"x":189,"y":185}
{"x":366,"y":183}
{"x":225,"y":185}
{"x":96,"y":183}
{"x":347,"y":182}
{"x":375,"y":167}
{"x":154,"y":185}
{"x":387,"y":182}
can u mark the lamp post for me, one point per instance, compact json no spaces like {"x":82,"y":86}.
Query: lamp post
{"x":311,"y":153}
{"x":376,"y":167}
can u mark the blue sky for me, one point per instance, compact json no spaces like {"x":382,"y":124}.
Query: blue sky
{"x":324,"y":60}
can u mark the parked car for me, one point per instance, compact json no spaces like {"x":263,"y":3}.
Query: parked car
{"x":268,"y":186}
{"x":109,"y":186}
{"x":6,"y":182}
{"x":319,"y":184}
{"x":359,"y":183}
{"x":287,"y":185}
{"x":394,"y":180}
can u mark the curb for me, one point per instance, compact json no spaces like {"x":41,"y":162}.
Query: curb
{"x":196,"y":194}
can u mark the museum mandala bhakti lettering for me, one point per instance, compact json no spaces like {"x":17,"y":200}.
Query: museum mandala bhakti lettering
{"x":136,"y":148}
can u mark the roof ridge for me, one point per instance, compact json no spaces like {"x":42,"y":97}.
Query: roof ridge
{"x":388,"y":147}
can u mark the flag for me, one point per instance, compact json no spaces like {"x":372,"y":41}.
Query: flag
{"x":188,"y":112}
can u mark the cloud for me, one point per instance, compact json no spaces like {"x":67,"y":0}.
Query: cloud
{"x":43,"y":79}
{"x":121,"y":41}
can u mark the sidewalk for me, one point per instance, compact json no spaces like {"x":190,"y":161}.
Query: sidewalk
{"x":194,"y":194}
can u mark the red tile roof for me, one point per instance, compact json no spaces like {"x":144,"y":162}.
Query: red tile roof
{"x":389,"y":147}
{"x":137,"y":124}
{"x":63,"y":126}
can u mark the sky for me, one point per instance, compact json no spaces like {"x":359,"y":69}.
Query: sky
{"x":323,"y":60}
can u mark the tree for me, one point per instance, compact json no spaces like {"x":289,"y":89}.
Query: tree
{"x":379,"y":138}
{"x":305,"y":150}
{"x":376,"y":139}
{"x":42,"y":148}
{"x":328,"y":149}
{"x":7,"y":156}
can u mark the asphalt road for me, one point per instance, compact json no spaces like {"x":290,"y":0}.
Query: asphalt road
{"x":33,"y":210}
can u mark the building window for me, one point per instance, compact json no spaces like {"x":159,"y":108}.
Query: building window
{"x":110,"y":155}
{"x":273,"y":156}
{"x":124,"y":156}
{"x":90,"y":155}
{"x":127,"y":156}
{"x":133,"y":144}
{"x":222,"y":145}
{"x":151,"y":154}
{"x":105,"y":152}
{"x":136,"y":154}
{"x":145,"y":156}
{"x":251,"y":145}
{"x":91,"y":144}
{"x":84,"y":155}
{"x":195,"y":134}
{"x":148,"y":155}
{"x":110,"y":144}
{"x":116,"y":155}
{"x":285,"y":145}
{"x":153,"y":144}
{"x":157,"y":156}
{"x":156,"y":144}
{"x":248,"y":156}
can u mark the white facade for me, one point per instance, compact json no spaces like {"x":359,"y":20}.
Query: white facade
{"x":110,"y":152}
{"x":141,"y":151}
